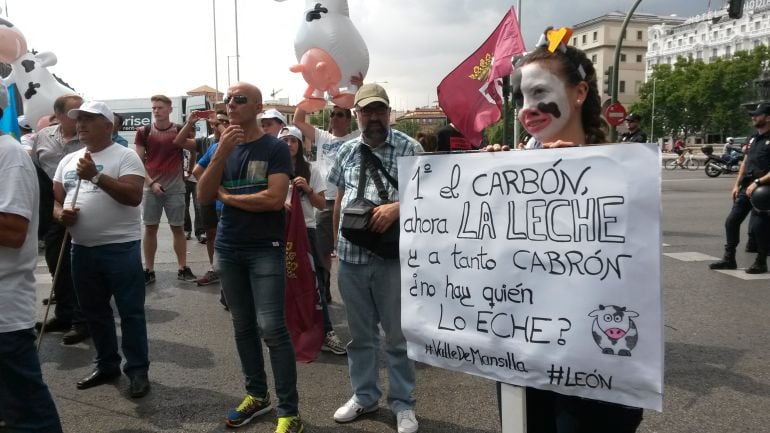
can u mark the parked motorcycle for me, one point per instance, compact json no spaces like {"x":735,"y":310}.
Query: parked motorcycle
{"x":716,"y":165}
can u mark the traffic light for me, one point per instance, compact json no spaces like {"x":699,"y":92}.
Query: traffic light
{"x":608,"y":80}
{"x":735,"y":9}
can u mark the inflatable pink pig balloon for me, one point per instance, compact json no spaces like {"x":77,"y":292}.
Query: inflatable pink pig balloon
{"x":329,"y":50}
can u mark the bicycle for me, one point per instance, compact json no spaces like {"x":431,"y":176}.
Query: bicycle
{"x":684,"y":161}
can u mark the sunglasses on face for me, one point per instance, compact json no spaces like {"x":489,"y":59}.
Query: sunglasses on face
{"x":377,"y":110}
{"x":238,"y":99}
{"x":338,"y":114}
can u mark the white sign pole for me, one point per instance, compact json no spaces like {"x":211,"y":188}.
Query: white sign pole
{"x":513,"y":403}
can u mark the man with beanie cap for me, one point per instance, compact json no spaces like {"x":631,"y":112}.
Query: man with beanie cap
{"x":97,"y":193}
{"x":25,"y":401}
{"x":370,"y":284}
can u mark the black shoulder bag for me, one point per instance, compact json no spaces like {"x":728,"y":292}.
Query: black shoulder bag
{"x":357,"y":215}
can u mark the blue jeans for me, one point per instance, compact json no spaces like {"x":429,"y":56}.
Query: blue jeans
{"x":100,"y":273}
{"x":254,"y":283}
{"x":372,"y":296}
{"x":25,"y":402}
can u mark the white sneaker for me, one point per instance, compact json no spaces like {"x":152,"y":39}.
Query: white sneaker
{"x":352,"y":410}
{"x":407,"y":422}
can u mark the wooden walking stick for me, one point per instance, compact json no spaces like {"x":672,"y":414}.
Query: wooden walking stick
{"x":56,"y":272}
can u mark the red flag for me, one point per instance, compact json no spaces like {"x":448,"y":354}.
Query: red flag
{"x":469,"y":95}
{"x":302,"y":304}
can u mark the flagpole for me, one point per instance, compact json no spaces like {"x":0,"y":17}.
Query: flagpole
{"x":516,"y":125}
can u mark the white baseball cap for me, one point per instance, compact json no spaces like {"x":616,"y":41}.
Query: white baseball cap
{"x":272,"y":113}
{"x":290,"y":131}
{"x":93,"y":107}
{"x":23,"y":123}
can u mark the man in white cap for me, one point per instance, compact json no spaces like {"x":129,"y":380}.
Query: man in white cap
{"x":106,"y":179}
{"x":25,"y":401}
{"x":272,"y":121}
{"x":26,"y":133}
{"x":370,"y":284}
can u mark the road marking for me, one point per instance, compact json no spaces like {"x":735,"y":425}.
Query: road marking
{"x":691,"y":257}
{"x":741,"y":273}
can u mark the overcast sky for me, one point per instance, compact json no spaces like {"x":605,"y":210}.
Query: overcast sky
{"x":125,"y":49}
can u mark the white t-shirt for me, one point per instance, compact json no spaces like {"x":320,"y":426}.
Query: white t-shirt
{"x":101,"y":220}
{"x":19,"y":195}
{"x":327,"y":146}
{"x":318,"y":184}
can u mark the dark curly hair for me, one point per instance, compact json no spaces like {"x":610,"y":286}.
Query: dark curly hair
{"x":591,"y":114}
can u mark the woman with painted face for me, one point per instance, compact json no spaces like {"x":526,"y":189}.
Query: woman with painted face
{"x":555,"y":90}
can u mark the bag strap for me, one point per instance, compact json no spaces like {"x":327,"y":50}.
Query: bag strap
{"x":361,"y":177}
{"x":378,"y":165}
{"x":368,"y":163}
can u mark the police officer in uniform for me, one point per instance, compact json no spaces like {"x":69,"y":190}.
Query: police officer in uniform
{"x":754,"y":171}
{"x":634,"y":134}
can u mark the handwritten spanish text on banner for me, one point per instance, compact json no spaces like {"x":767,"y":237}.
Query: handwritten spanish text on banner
{"x":538,"y":268}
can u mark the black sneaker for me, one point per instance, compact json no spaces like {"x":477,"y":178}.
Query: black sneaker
{"x":185,"y":274}
{"x":758,"y":267}
{"x":75,"y":335}
{"x":54,"y":324}
{"x":202,"y":239}
{"x":149,"y":277}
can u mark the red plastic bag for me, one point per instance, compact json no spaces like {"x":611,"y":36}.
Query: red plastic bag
{"x":303,"y":312}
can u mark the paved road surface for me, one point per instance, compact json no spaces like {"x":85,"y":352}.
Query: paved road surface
{"x":717,"y":352}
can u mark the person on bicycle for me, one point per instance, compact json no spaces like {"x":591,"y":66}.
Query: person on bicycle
{"x":679,"y":149}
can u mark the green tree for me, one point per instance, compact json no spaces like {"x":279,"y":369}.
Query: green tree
{"x":409,"y":127}
{"x":702,"y":98}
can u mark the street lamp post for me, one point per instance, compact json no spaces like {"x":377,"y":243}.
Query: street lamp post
{"x":216,"y":70}
{"x":652,"y":121}
{"x":237,"y":53}
{"x":228,"y":68}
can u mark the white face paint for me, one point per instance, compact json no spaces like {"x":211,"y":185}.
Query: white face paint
{"x":546,"y":109}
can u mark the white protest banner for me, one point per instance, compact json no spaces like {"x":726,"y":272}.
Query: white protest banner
{"x":538,"y":268}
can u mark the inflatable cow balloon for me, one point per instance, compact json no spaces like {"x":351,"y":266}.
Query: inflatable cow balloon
{"x":38,"y":87}
{"x":329,"y":50}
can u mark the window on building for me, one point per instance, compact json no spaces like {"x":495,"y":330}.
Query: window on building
{"x":668,"y":44}
{"x":574,"y":41}
{"x":622,"y":57}
{"x":757,"y":25}
{"x":622,"y":86}
{"x":714,"y":52}
{"x":668,"y":60}
{"x":679,"y":42}
{"x":729,"y":31}
{"x":649,"y":64}
{"x":699,"y":54}
{"x":728,"y":52}
{"x":703,"y":37}
{"x":638,"y":35}
{"x":743,"y":28}
{"x":583,"y":39}
{"x":637,"y":86}
{"x":716,"y":35}
{"x":638,"y":58}
{"x":692,"y":39}
{"x":596,"y":36}
{"x":738,"y":47}
{"x":593,"y":58}
{"x":756,"y":43}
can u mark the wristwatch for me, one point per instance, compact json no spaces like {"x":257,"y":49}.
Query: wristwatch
{"x":95,"y":179}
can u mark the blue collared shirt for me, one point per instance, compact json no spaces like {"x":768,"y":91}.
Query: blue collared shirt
{"x":345,"y":173}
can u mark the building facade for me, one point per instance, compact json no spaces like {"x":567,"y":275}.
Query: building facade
{"x":709,"y":36}
{"x":598,"y":36}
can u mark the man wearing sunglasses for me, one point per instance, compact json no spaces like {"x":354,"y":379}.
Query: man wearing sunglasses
{"x":326,"y":144}
{"x":249,"y":172}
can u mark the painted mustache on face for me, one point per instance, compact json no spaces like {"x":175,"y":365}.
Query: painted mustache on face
{"x":541,"y":98}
